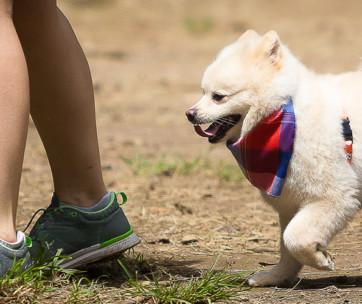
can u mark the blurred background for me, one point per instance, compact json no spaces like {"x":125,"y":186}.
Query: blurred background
{"x":147,"y":57}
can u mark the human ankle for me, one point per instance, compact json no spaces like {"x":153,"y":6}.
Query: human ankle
{"x":8,"y":236}
{"x":81,"y":199}
{"x":101,"y":204}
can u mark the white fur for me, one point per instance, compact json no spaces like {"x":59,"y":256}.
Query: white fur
{"x":322,"y":190}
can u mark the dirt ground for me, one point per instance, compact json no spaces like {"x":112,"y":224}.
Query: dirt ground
{"x":147,"y":58}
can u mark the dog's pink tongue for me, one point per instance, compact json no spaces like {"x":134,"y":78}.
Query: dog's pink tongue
{"x":210,"y":131}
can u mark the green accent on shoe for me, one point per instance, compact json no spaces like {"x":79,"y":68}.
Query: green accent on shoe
{"x":28,"y":242}
{"x":82,"y":235}
{"x":116,"y":239}
{"x":124,"y":197}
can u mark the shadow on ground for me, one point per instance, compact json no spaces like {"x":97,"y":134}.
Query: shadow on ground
{"x":119,"y":269}
{"x":340,"y":282}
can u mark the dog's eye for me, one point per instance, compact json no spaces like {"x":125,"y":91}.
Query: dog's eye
{"x":217,"y":97}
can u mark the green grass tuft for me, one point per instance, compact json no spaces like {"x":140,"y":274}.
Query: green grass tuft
{"x":163,"y":166}
{"x":208,"y":287}
{"x":27,"y":286}
{"x":83,"y":291}
{"x":211,"y":286}
{"x":37,"y":273}
{"x":173,"y":166}
{"x":229,"y":173}
{"x":139,"y":165}
{"x":198,"y":25}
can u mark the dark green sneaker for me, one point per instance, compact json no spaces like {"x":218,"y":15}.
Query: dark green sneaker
{"x":9,"y":255}
{"x":83,"y":236}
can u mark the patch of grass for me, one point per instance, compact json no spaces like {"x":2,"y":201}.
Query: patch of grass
{"x":229,"y":173}
{"x":187,"y":167}
{"x":83,"y":291}
{"x":27,"y":286}
{"x":139,"y":165}
{"x":163,"y":166}
{"x":198,"y":25}
{"x":210,"y":286}
{"x":49,"y":283}
{"x":167,"y":166}
{"x":37,"y":273}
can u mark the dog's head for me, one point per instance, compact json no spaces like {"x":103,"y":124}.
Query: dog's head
{"x":244,"y":74}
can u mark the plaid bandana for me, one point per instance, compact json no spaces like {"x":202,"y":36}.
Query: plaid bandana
{"x":264,"y":153}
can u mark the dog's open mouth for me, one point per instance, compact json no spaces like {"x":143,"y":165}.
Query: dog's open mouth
{"x":217,"y":130}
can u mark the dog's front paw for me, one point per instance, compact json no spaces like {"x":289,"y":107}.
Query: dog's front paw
{"x":324,"y":260}
{"x":312,"y":254}
{"x":272,"y":278}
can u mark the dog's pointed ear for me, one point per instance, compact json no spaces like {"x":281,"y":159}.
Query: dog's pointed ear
{"x":248,"y":34}
{"x":271,"y":47}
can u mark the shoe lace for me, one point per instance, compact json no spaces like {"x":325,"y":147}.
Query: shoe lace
{"x":32,"y":218}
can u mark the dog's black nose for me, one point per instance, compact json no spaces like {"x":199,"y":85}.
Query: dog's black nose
{"x":191,"y":115}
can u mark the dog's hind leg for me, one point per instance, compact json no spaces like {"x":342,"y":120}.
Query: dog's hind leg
{"x":285,"y":272}
{"x":312,"y":228}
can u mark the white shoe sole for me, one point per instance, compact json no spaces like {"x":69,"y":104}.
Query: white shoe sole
{"x":96,"y":252}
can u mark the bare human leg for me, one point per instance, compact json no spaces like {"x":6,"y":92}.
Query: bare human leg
{"x":14,"y":115}
{"x":62,"y":100}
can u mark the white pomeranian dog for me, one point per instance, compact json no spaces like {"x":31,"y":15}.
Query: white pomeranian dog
{"x":290,"y":130}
